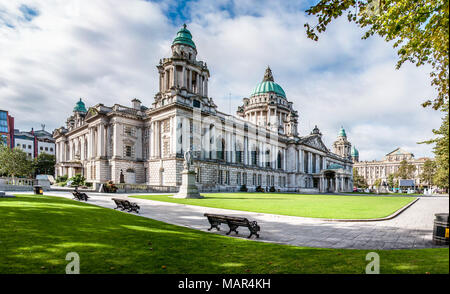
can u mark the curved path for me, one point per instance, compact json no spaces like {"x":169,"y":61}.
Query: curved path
{"x":413,"y":228}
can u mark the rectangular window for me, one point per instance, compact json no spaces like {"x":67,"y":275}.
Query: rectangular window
{"x":129,"y":131}
{"x":128,"y":151}
{"x":227,"y":177}
{"x":238,"y":178}
{"x":259,"y":180}
{"x":313,"y":161}
{"x":41,"y":148}
{"x":244,"y":178}
{"x":254,"y":179}
{"x":220,"y":177}
{"x":305,"y":161}
{"x":29,"y":146}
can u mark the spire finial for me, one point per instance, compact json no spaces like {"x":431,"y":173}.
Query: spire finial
{"x":268,"y":75}
{"x":184,"y":26}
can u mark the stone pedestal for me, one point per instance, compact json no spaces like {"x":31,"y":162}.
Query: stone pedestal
{"x":188,"y":187}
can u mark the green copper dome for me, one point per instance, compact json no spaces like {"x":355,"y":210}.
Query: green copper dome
{"x":354,"y":152}
{"x":80,"y":107}
{"x":342,"y":132}
{"x":184,"y":37}
{"x":268,"y":85}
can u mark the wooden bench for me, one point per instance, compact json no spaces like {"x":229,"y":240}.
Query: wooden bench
{"x":124,"y":204}
{"x":233,"y":223}
{"x":80,"y":196}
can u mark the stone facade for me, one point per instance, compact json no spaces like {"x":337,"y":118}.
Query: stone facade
{"x":259,"y":146}
{"x":381,"y":169}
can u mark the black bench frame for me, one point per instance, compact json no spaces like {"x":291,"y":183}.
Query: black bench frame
{"x":124,"y":204}
{"x":80,"y":196}
{"x":233,"y":223}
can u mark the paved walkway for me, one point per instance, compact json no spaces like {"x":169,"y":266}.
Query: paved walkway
{"x":413,"y":228}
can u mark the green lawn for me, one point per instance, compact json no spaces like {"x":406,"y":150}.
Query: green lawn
{"x":317,"y":206}
{"x":37,"y":232}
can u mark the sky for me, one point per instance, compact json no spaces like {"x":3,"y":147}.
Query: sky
{"x":54,"y":52}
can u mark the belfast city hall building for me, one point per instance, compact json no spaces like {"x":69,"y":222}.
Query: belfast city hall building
{"x":258,"y":146}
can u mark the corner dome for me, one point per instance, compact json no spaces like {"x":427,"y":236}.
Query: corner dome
{"x":268,"y":85}
{"x":80,"y":107}
{"x":342,"y":132}
{"x":184,"y":37}
{"x":354,"y":152}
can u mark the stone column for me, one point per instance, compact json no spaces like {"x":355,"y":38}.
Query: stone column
{"x":309,"y":162}
{"x":173,"y":135}
{"x":175,"y":75}
{"x":100,"y":138}
{"x":190,"y":81}
{"x":336,"y":186}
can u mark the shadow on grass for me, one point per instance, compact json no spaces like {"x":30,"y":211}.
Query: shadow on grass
{"x":38,"y":231}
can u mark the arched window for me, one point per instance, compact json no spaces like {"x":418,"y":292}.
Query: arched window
{"x":221,"y":149}
{"x":85,"y":149}
{"x":238,"y":153}
{"x":267,"y":159}
{"x":279,"y":160}
{"x":255,"y":155}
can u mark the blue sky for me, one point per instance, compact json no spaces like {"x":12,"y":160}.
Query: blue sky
{"x":54,"y":52}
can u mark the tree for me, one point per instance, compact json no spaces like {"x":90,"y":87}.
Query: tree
{"x":441,"y":150}
{"x":428,"y":172}
{"x":405,"y":170}
{"x":420,"y":28}
{"x":377,"y":183}
{"x":77,"y":180}
{"x":391,"y":180}
{"x":44,"y":164}
{"x":358,"y":181}
{"x":14,"y":162}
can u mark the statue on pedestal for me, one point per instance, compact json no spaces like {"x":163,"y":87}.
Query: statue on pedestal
{"x":188,"y":160}
{"x":188,"y":188}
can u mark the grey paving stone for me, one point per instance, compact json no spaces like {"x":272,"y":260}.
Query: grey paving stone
{"x":411,"y":229}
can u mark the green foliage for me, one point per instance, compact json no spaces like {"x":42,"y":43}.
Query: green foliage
{"x":46,"y":228}
{"x":359,"y":181}
{"x":405,"y":170}
{"x":391,"y":181}
{"x":44,"y":164}
{"x":441,"y":151}
{"x":259,"y":189}
{"x":377,"y":183}
{"x":60,"y":179}
{"x":109,"y":187}
{"x":14,"y":162}
{"x":243,"y":188}
{"x":77,"y":180}
{"x":428,"y":172}
{"x":419,"y":28}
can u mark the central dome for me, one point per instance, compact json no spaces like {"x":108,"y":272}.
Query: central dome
{"x":268,"y":85}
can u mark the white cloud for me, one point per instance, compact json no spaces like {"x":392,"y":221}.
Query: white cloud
{"x":106,"y":52}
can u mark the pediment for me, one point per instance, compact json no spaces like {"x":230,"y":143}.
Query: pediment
{"x":315,"y":142}
{"x":91,"y":113}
